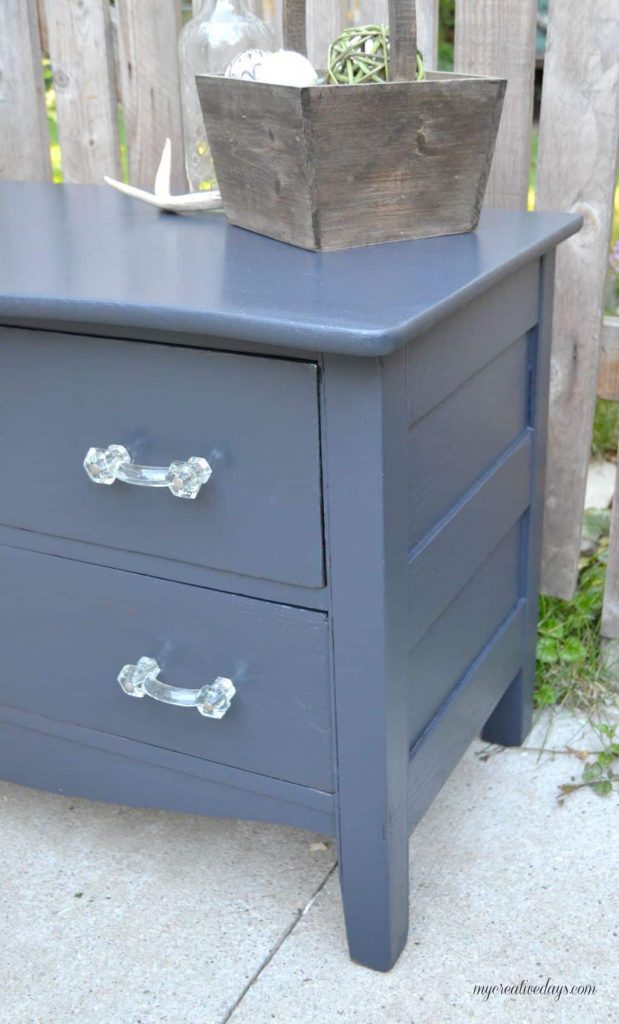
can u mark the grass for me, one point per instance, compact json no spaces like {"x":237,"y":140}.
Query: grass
{"x":570,"y":668}
{"x":605,"y":430}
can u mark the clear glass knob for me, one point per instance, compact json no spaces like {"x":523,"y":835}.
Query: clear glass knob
{"x":132,"y":678}
{"x":142,"y":680}
{"x":183,"y":479}
{"x":103,"y":464}
{"x":186,"y":478}
{"x":214,"y":701}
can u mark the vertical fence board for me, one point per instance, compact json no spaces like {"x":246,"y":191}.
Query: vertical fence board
{"x":148,"y":46}
{"x":324,"y":23}
{"x":608,"y":378}
{"x":577,"y":170}
{"x":80,"y":47}
{"x":427,"y":31}
{"x":24,"y":152}
{"x":272,"y":14}
{"x":368,"y":12}
{"x":610,"y":615}
{"x":43,"y":26}
{"x":497,"y":38}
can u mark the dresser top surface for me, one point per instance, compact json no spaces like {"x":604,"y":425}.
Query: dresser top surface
{"x":84,"y":255}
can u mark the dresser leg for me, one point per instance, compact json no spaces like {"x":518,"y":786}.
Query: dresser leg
{"x":510,"y":722}
{"x":374,"y":883}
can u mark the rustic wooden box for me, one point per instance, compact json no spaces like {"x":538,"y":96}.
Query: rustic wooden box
{"x":332,"y":167}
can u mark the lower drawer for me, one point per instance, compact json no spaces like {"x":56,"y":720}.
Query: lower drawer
{"x":67,"y":629}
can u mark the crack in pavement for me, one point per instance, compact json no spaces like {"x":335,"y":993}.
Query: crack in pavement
{"x":278,"y":945}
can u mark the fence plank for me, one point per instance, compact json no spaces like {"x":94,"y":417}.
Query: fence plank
{"x":577,"y":169}
{"x":148,"y":46}
{"x":610,"y":614}
{"x":272,"y":14}
{"x":370,"y":12}
{"x":80,"y":46}
{"x":366,"y":12}
{"x":497,"y":38}
{"x":42,"y":26}
{"x":427,"y":31}
{"x":608,"y":379}
{"x":23,"y":118}
{"x":324,"y":23}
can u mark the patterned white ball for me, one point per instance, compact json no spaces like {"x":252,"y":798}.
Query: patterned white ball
{"x":245,"y":65}
{"x":286,"y":67}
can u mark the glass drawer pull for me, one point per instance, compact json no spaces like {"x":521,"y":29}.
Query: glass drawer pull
{"x":141,"y":680}
{"x":183,"y":479}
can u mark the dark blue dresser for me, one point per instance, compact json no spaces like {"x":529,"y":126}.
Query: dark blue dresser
{"x":269,"y":520}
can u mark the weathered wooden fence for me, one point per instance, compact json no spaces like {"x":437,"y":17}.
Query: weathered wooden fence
{"x":110,"y":52}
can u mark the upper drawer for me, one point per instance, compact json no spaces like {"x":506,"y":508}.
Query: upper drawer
{"x":254,"y":419}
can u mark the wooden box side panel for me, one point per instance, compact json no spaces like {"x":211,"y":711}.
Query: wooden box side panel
{"x":407,"y":160}
{"x":255,"y":132}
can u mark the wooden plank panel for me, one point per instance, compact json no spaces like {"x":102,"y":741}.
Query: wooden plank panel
{"x":441,"y":565}
{"x":23,"y":118}
{"x":80,"y":44}
{"x":608,"y":379}
{"x":577,"y":169}
{"x":148,"y":45}
{"x":497,"y":38}
{"x":456,"y":443}
{"x":443,"y":358}
{"x":441,"y":746}
{"x":454,"y":641}
{"x":610,"y":615}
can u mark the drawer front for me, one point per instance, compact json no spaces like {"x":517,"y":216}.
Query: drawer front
{"x":68,"y":628}
{"x":254,"y":419}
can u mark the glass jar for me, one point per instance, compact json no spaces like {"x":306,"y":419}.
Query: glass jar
{"x":221,"y":30}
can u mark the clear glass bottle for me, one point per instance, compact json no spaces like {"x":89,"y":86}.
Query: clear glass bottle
{"x":221,"y":30}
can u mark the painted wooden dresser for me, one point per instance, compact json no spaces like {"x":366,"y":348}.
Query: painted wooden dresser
{"x":269,"y":520}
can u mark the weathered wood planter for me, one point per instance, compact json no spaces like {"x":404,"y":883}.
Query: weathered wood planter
{"x":331,"y":167}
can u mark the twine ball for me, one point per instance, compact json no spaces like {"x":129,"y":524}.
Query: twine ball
{"x":361,"y":55}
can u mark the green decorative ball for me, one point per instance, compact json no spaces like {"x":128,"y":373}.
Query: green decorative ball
{"x":361,"y":55}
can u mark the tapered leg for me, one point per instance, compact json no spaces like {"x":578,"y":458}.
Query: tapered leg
{"x":374,"y":881}
{"x":365,"y":456}
{"x":510,"y":722}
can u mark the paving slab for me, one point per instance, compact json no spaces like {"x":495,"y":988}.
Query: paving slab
{"x":110,"y":915}
{"x":116,"y":915}
{"x":555,"y":730}
{"x":508,"y":886}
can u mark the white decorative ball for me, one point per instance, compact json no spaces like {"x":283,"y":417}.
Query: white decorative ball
{"x":286,"y":67}
{"x":244,"y":65}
